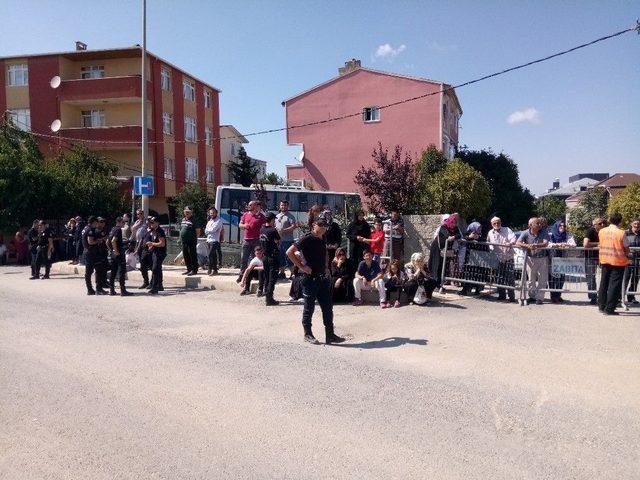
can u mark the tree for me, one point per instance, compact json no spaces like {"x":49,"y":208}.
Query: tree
{"x":509,"y":200}
{"x":593,"y":204}
{"x":193,"y":196}
{"x":391,"y":182}
{"x":627,"y":204}
{"x":551,"y":207}
{"x":459,"y":188}
{"x":432,"y":161}
{"x":244,"y":169}
{"x":273,"y":179}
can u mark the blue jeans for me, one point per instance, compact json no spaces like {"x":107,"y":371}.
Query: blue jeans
{"x":284,"y":260}
{"x":316,"y":287}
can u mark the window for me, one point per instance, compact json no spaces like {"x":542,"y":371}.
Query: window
{"x":371,"y":114}
{"x":21,"y":118}
{"x":208,"y":136}
{"x":191,"y":169}
{"x":207,"y":99}
{"x":189,"y":90}
{"x":209,"y":174}
{"x":169,"y":168}
{"x":93,"y":118}
{"x":165,"y":80}
{"x":167,"y":123}
{"x":190,"y":129}
{"x":18,"y":75}
{"x":92,"y":71}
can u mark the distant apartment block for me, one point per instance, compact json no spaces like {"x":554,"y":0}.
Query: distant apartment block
{"x":99,"y":98}
{"x":230,"y":142}
{"x":332,"y":152}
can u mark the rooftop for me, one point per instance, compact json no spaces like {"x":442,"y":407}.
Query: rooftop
{"x":570,"y":188}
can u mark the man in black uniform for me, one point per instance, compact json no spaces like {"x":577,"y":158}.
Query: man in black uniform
{"x":90,"y":242}
{"x":102,"y":262}
{"x":44,"y":250}
{"x":316,"y":281}
{"x":32,"y":236}
{"x":79,"y":243}
{"x":189,"y":233}
{"x":118,"y":259}
{"x":156,"y":243}
{"x":270,"y":240}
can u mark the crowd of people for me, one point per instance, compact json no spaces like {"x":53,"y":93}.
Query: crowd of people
{"x":321,"y":270}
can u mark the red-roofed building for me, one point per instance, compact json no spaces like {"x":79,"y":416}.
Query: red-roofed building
{"x":332,"y":152}
{"x":614,"y":185}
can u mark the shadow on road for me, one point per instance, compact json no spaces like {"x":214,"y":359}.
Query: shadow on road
{"x":385,"y":343}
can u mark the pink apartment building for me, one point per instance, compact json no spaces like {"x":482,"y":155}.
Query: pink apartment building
{"x":333,"y":152}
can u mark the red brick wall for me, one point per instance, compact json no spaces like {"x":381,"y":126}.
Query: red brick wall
{"x":43,"y":101}
{"x":178,"y":126}
{"x":217,"y":164}
{"x":202,"y":148}
{"x":158,"y":135}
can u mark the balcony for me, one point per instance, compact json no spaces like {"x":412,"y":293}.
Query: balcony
{"x":124,"y":133}
{"x":97,"y":89}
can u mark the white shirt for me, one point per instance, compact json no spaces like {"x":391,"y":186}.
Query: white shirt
{"x":213,"y":230}
{"x":502,"y":236}
{"x":256,"y":263}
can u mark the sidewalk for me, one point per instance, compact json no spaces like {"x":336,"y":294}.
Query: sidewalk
{"x":225,"y":281}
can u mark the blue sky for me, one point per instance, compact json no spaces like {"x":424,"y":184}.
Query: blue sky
{"x":575,"y":114}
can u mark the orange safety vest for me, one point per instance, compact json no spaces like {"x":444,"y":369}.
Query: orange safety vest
{"x":611,"y":246}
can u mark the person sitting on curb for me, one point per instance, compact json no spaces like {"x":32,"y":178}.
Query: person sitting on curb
{"x":254,"y":268}
{"x":368,"y":277}
{"x":394,"y":282}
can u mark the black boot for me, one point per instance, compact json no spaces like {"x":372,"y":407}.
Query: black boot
{"x":112,"y":292}
{"x":331,"y":337}
{"x":143,"y":286}
{"x":308,"y":336}
{"x":125,"y":293}
{"x":270,"y":302}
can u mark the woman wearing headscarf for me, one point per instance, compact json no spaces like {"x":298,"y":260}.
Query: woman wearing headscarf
{"x":446,"y":236}
{"x":559,"y":239}
{"x":358,"y":228}
{"x":418,"y":275}
{"x":470,"y":272}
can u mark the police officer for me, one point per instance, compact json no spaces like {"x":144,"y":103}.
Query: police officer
{"x":118,"y":259}
{"x":80,"y":225}
{"x":44,"y":250}
{"x":102,"y":262}
{"x":270,"y":240}
{"x":32,"y":236}
{"x":90,"y":242}
{"x":189,"y":233}
{"x":156,"y":244}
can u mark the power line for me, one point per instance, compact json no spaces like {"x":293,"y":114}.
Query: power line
{"x":635,"y":28}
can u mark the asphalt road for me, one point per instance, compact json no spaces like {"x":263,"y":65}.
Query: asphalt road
{"x":206,"y":385}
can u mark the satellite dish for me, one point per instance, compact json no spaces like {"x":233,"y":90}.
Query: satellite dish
{"x":56,"y":125}
{"x":301,"y":156}
{"x":55,"y":82}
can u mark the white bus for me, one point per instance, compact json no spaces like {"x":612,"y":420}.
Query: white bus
{"x":231,"y":202}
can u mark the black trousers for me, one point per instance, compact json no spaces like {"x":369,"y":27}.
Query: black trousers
{"x":411,"y":287}
{"x":101,"y":266}
{"x":33,"y":256}
{"x":394,"y":290}
{"x":190,"y":256}
{"x":91,"y":265}
{"x":118,"y":269}
{"x":271,"y":268}
{"x":610,"y":291}
{"x":79,"y":249}
{"x":42,"y":259}
{"x":590,"y":270}
{"x":146,"y":263}
{"x":156,"y":271}
{"x":215,"y":255}
{"x":318,"y":288}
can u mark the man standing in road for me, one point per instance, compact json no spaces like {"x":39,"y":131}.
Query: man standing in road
{"x":499,"y":235}
{"x":44,"y":250}
{"x":591,"y":258}
{"x":214,"y":230}
{"x":91,"y":241}
{"x":156,"y":244}
{"x":613,"y":255}
{"x":269,"y":238}
{"x":285,"y":224}
{"x":32,"y":238}
{"x":118,"y":264}
{"x":251,"y":222}
{"x":189,"y":233}
{"x":316,"y":284}
{"x":534,"y":240}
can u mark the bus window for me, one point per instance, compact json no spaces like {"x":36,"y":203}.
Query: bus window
{"x":239,"y":199}
{"x":226,"y":199}
{"x":303,"y":204}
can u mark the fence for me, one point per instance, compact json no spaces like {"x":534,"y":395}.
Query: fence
{"x":631,"y":279}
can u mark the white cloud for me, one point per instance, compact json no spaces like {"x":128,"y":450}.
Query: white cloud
{"x":387,"y":51}
{"x":528,"y":115}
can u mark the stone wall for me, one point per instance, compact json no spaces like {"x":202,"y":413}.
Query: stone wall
{"x":420,"y":231}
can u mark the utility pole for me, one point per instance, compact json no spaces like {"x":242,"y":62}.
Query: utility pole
{"x":145,"y":198}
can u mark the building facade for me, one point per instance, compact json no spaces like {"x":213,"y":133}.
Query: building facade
{"x":332,"y":152}
{"x":230,"y":142}
{"x":98,"y":102}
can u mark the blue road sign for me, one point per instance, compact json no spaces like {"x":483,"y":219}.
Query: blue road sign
{"x":143,"y":186}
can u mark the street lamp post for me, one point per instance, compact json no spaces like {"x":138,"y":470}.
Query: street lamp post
{"x":145,"y":198}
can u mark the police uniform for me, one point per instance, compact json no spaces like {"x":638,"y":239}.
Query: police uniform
{"x":189,"y":239}
{"x":32,"y":236}
{"x":146,"y":259}
{"x":158,"y":255}
{"x":90,"y":254}
{"x":102,"y":261}
{"x":42,"y":252}
{"x":269,"y":238}
{"x":118,"y":262}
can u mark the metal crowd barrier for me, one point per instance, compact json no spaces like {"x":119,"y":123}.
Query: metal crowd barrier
{"x":484,"y":264}
{"x":631,"y":278}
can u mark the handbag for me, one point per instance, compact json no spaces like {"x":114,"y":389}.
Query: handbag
{"x":420,"y":298}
